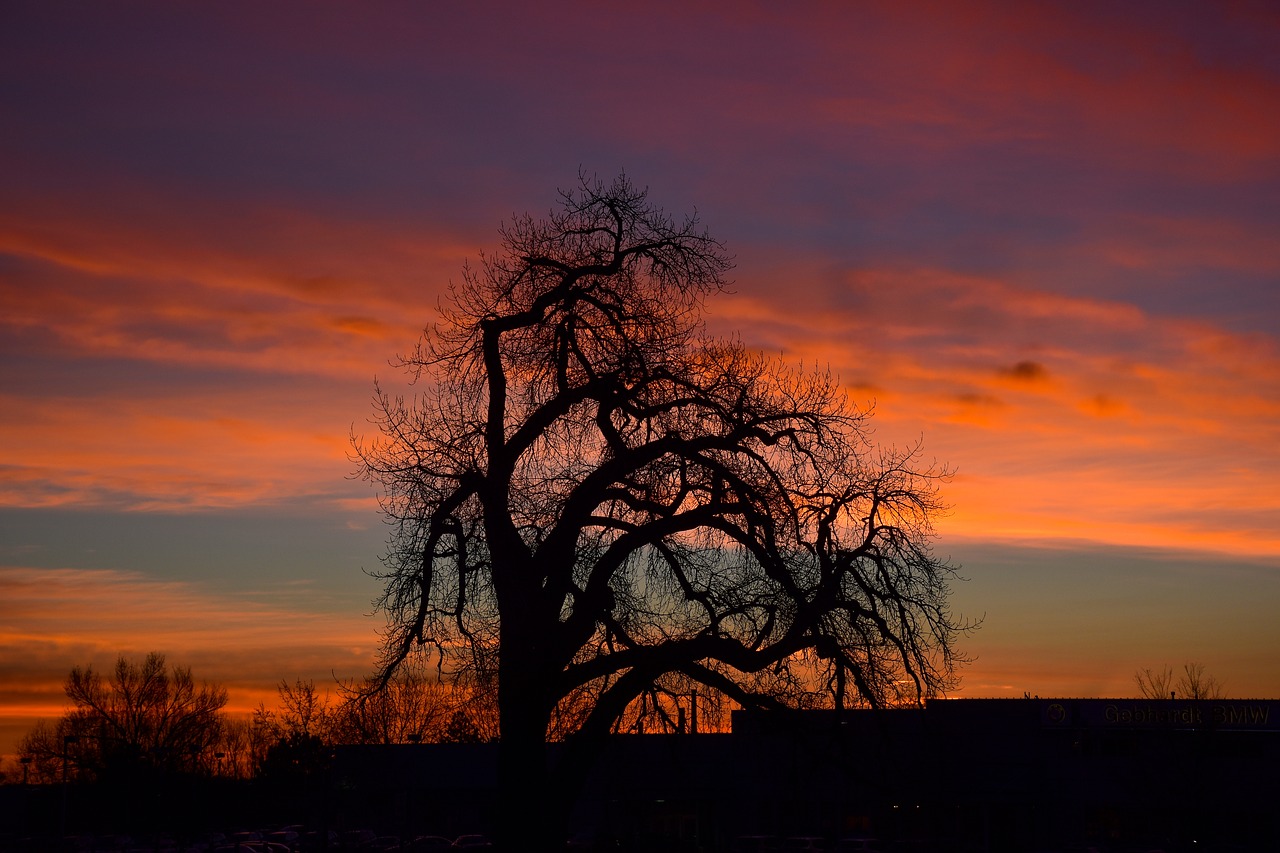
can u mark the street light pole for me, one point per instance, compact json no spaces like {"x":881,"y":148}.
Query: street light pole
{"x":67,"y":740}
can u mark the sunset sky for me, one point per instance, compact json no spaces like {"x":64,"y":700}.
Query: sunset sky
{"x":1045,"y":237}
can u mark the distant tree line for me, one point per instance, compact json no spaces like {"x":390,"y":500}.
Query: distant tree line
{"x":147,"y":720}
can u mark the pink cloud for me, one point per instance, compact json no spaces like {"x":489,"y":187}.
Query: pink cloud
{"x":154,"y":295}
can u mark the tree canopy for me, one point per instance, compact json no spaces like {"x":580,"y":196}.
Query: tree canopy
{"x":589,"y":496}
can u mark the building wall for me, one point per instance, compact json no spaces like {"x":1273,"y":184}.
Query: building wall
{"x":958,"y":774}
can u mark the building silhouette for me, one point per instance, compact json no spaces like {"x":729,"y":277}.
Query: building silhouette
{"x":968,"y":774}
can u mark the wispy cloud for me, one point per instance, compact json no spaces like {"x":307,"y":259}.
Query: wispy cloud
{"x":1039,"y":398}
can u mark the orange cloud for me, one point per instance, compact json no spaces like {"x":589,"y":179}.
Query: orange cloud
{"x":1066,"y":416}
{"x":199,"y":375}
{"x":197,"y":450}
{"x":157,"y":292}
{"x":988,"y":369}
{"x":1025,"y":372}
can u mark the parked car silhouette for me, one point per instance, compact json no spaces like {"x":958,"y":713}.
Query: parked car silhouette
{"x":426,"y":844}
{"x":858,"y":845}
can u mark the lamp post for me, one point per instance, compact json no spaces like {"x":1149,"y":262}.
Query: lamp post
{"x":693,"y":713}
{"x":67,"y":740}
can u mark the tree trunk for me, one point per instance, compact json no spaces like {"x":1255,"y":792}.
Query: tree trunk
{"x":531,"y":816}
{"x":522,"y":806}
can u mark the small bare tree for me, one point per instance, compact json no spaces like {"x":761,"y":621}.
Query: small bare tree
{"x":410,"y":707}
{"x":142,"y":716}
{"x":1194,"y":683}
{"x":44,"y":751}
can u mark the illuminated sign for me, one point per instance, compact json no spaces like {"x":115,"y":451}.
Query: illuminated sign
{"x":1233,"y":715}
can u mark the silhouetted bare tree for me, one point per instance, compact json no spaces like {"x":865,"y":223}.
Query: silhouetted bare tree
{"x":1194,"y":683}
{"x":293,"y":739}
{"x":589,"y":494}
{"x":44,"y":749}
{"x":303,"y":712}
{"x":144,"y":716}
{"x":411,"y":707}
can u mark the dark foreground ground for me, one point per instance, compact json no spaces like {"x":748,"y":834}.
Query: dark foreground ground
{"x":960,"y":776}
